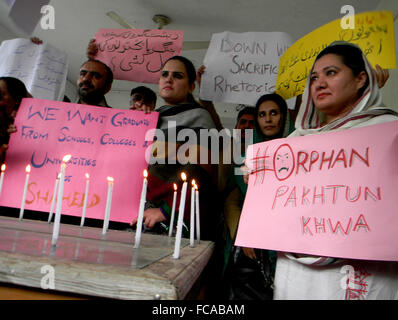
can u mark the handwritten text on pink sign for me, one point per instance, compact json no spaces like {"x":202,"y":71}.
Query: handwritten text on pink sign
{"x":330,"y":194}
{"x":137,"y":54}
{"x":102,"y":141}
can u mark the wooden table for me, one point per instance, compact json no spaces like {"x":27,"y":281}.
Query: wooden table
{"x":86,"y":263}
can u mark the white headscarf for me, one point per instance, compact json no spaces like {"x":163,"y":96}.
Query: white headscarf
{"x":369,"y":105}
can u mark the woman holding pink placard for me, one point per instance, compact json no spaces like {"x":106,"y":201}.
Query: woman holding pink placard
{"x":180,"y":112}
{"x":249,"y":272}
{"x":341,"y":93}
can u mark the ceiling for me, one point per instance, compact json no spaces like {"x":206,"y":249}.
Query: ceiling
{"x":76,"y":21}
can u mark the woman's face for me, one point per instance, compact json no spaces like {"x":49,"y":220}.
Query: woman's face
{"x":269,"y":118}
{"x":7,"y":102}
{"x":174,"y":86}
{"x":333,"y":86}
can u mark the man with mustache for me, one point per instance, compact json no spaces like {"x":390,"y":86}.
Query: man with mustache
{"x":94,"y":81}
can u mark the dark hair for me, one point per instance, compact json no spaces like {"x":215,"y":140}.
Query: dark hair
{"x":246,"y":110}
{"x":149,"y":95}
{"x":351,"y":56}
{"x":282,"y":107}
{"x":109,"y":73}
{"x":16,"y":88}
{"x":191,"y":72}
{"x":66,"y":99}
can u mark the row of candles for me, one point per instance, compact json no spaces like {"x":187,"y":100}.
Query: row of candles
{"x":59,"y":187}
{"x":195,"y":214}
{"x":58,"y":195}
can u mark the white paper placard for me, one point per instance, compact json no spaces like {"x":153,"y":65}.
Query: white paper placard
{"x":43,"y":68}
{"x":241,"y":67}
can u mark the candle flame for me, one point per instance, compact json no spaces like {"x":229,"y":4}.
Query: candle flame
{"x":145,"y":173}
{"x":183,"y":176}
{"x":87,"y":176}
{"x":196,"y":187}
{"x":193,"y":182}
{"x":59,"y":176}
{"x":66,"y":158}
{"x":27,"y":168}
{"x":110,"y":179}
{"x":3,"y":167}
{"x":175,"y":187}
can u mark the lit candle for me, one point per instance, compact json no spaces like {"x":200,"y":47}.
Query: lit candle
{"x":177,"y":244}
{"x":141,"y":211}
{"x":3,"y":168}
{"x":108,"y":205}
{"x":25,"y":189}
{"x":192,"y":219}
{"x":60,"y":195}
{"x":197,"y":212}
{"x":173,"y":209}
{"x":50,"y":216}
{"x":85,"y":200}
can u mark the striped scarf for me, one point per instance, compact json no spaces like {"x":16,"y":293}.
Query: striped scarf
{"x":167,"y":169}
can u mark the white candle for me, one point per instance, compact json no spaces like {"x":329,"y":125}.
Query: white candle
{"x":25,"y":189}
{"x":177,"y":244}
{"x":192,"y":219}
{"x":197,"y":212}
{"x":50,"y":216}
{"x":3,"y":168}
{"x":108,"y":205}
{"x":85,"y":200}
{"x":77,"y":250}
{"x":141,"y":211}
{"x":173,"y":209}
{"x":59,"y":200}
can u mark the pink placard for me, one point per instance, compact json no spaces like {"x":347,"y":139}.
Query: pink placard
{"x":332,"y":194}
{"x":137,"y":54}
{"x":102,"y":141}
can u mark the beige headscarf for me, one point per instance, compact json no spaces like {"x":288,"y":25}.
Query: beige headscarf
{"x":369,"y":105}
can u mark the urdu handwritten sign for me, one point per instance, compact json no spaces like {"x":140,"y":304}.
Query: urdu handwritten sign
{"x":241,"y":67}
{"x":42,"y":68}
{"x":307,"y":195}
{"x":373,"y":33}
{"x":137,"y":54}
{"x":102,"y":141}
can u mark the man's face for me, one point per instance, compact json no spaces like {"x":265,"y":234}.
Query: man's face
{"x":138,"y":101}
{"x":246,"y":121}
{"x":92,"y":82}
